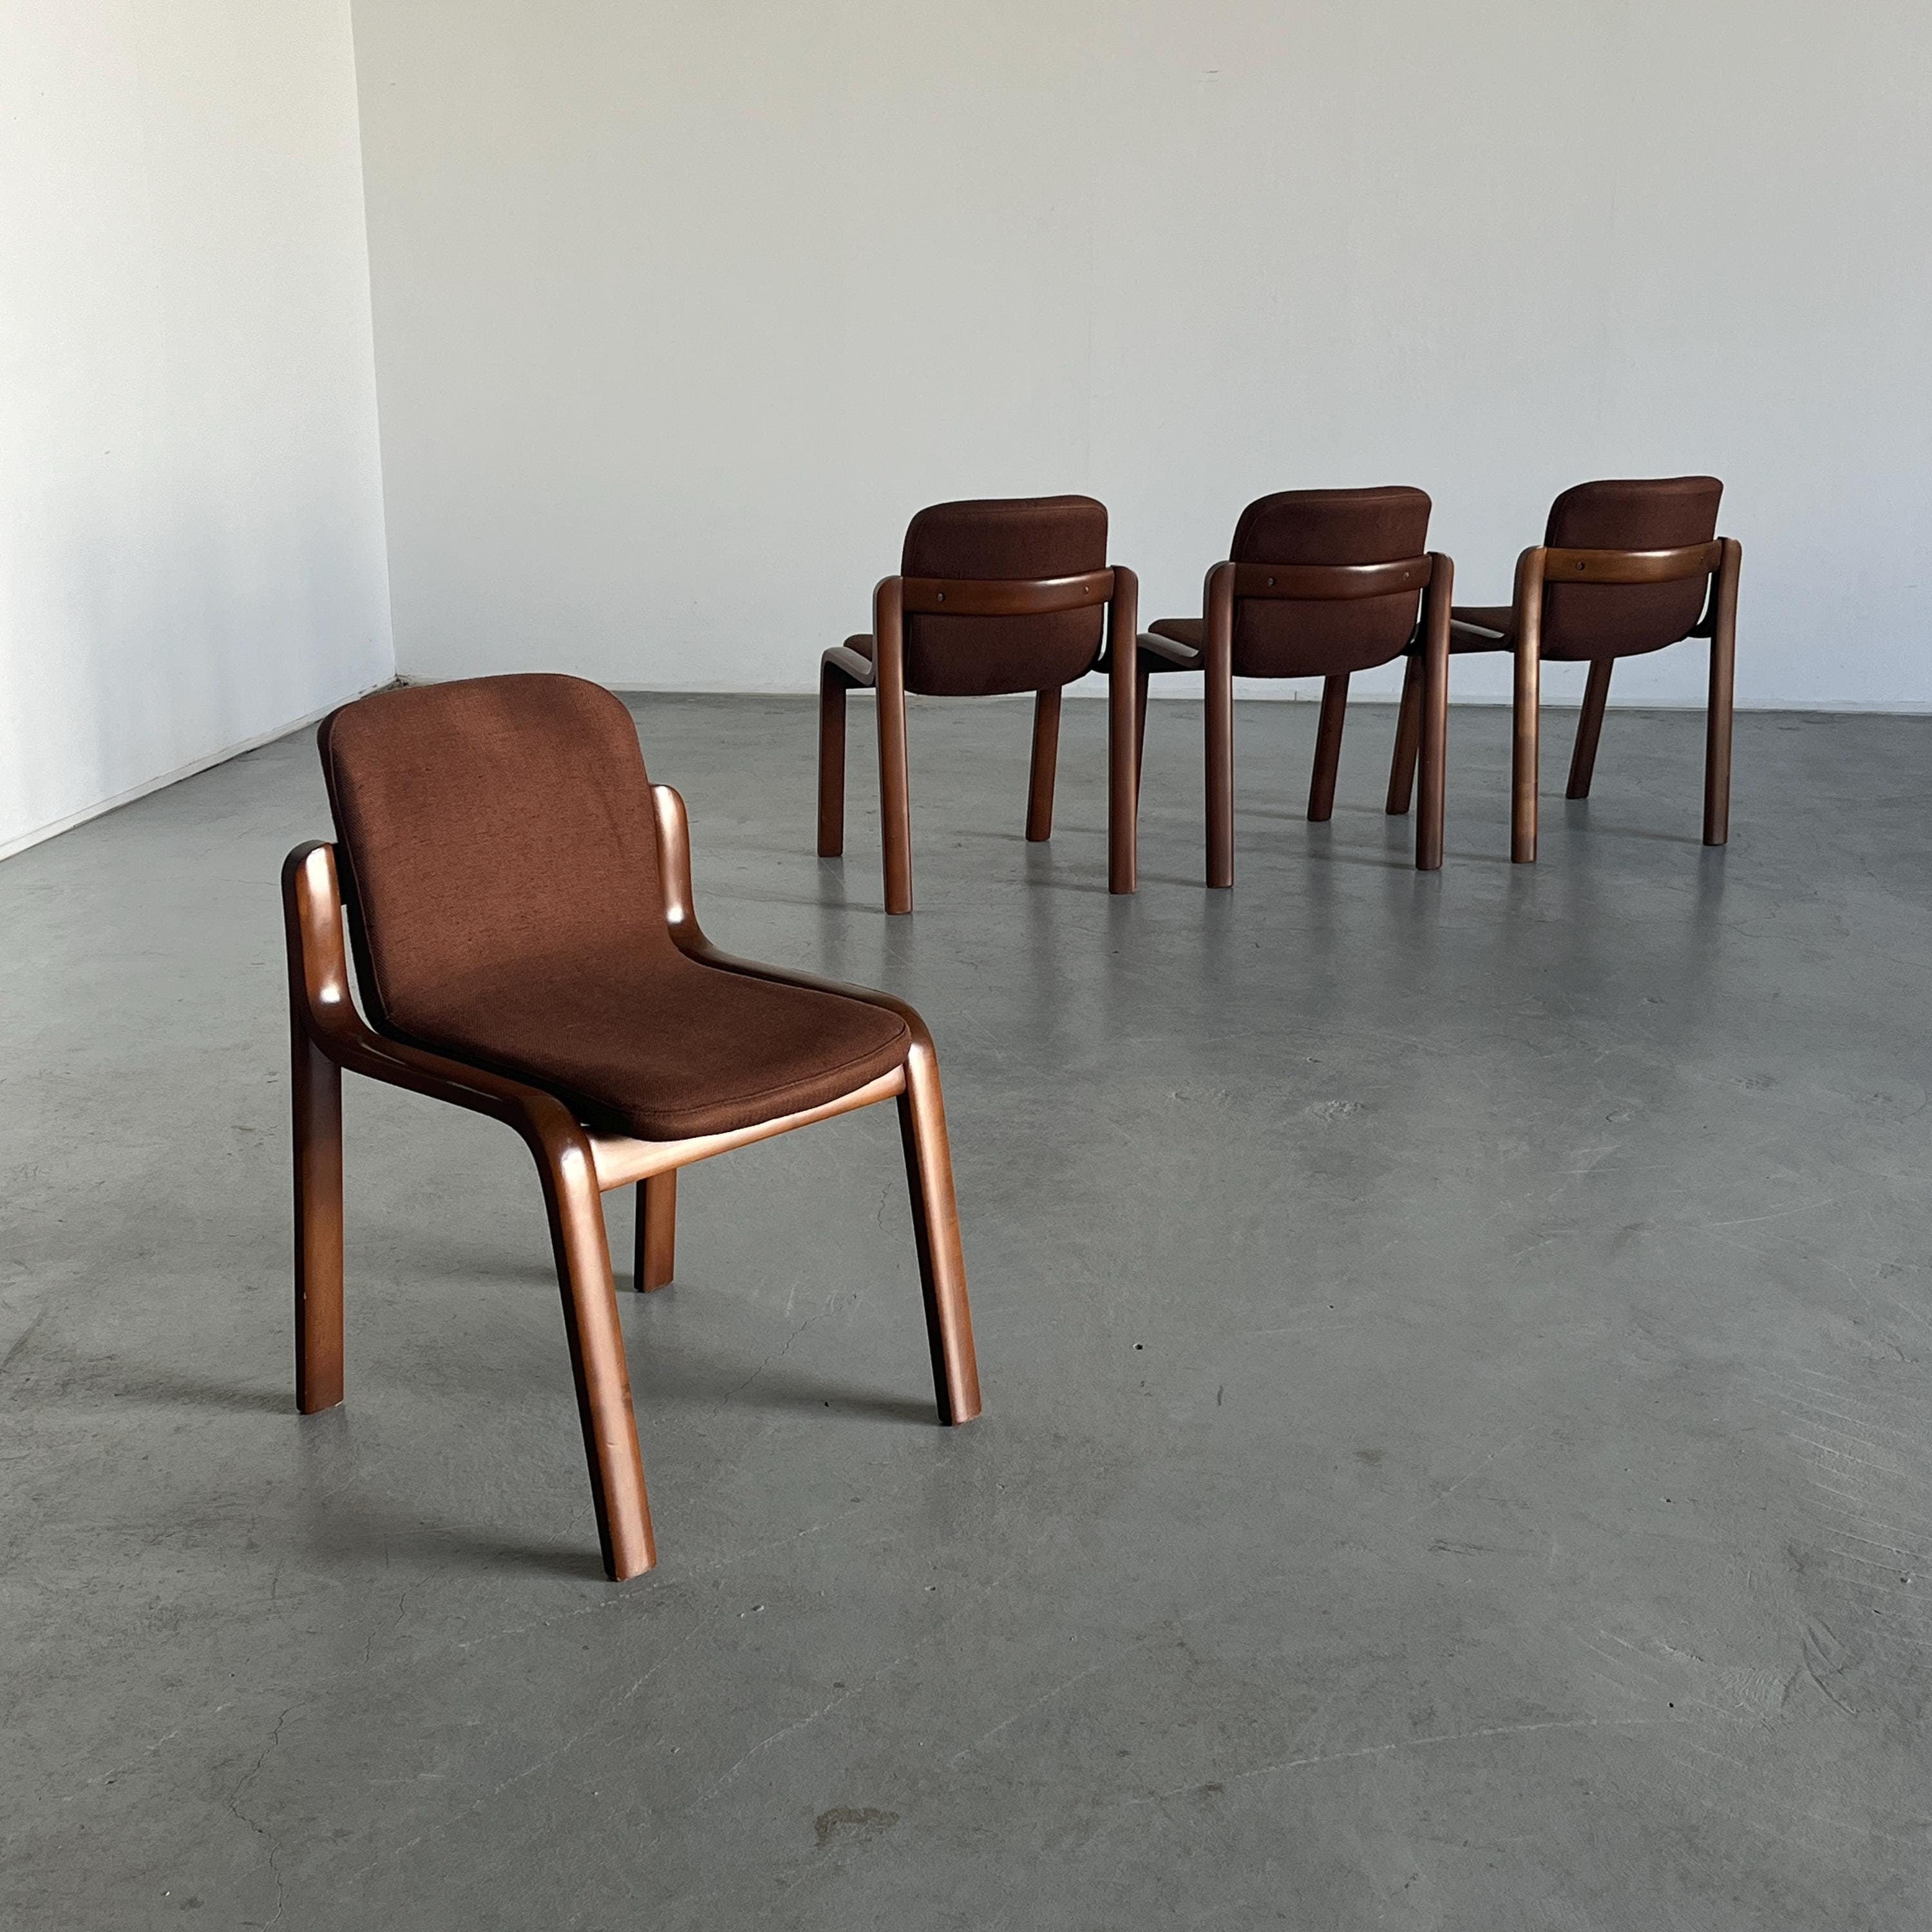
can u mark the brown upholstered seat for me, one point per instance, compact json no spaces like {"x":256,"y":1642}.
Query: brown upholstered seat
{"x":994,"y":596}
{"x":1324,"y":627}
{"x":1626,"y":566}
{"x":1496,"y":619}
{"x":520,"y":905}
{"x":499,"y":834}
{"x":1188,"y":631}
{"x":1588,"y":622}
{"x":1001,"y":540}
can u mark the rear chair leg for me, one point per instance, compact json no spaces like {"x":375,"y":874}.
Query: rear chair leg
{"x":316,"y":1090}
{"x":1046,"y":758}
{"x":1524,"y":755}
{"x":832,"y":688}
{"x":656,"y":1261}
{"x":935,"y":1228}
{"x":1589,"y":728}
{"x":1717,"y":737}
{"x":597,"y":1361}
{"x":1140,"y":728}
{"x":1327,"y":747}
{"x":1407,"y":740}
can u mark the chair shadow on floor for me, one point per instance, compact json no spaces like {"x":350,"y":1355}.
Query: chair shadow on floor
{"x":69,"y":1381}
{"x":679,"y":1382}
{"x":354,"y":1529}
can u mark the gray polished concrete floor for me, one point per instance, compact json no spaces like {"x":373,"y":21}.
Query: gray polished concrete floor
{"x":1457,"y":1451}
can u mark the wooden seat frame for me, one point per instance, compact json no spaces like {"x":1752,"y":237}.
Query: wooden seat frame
{"x":897,"y":597}
{"x":1543,"y":565}
{"x":576,"y":1167}
{"x":1422,"y":724}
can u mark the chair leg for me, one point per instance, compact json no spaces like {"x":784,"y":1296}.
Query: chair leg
{"x":1407,"y":740}
{"x":1717,"y":740}
{"x":894,"y":800}
{"x":1218,"y":720}
{"x":1589,"y":728}
{"x":1046,"y":758}
{"x":1327,"y":749}
{"x":831,"y":689}
{"x":1523,"y":756}
{"x":1434,"y":751}
{"x":317,"y":1091}
{"x":935,"y":1228}
{"x":1140,"y":729}
{"x":656,"y":1254}
{"x":597,"y":1361}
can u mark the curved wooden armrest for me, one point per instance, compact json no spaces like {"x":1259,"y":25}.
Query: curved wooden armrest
{"x":673,"y":831}
{"x":1730,"y":554}
{"x":319,"y":997}
{"x":855,"y":669}
{"x":1328,"y":581}
{"x":1168,"y":653}
{"x":1629,"y":566}
{"x":1003,"y":597}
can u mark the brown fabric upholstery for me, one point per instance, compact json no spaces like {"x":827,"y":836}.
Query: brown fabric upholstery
{"x":498,"y":835}
{"x":1499,"y":617}
{"x":1324,"y":638}
{"x":1014,"y":537}
{"x":1191,"y":631}
{"x":1619,"y":620}
{"x":1613,"y":620}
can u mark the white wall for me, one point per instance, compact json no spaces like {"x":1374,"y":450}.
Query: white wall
{"x":191,"y":546}
{"x":681,"y":309}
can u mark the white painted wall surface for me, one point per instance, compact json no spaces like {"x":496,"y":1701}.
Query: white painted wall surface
{"x":683,"y":308}
{"x":191,"y":543}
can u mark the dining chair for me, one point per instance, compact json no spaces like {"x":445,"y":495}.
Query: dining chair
{"x":1625,"y":567}
{"x":518,"y":903}
{"x":1318,"y":584}
{"x":1003,"y":595}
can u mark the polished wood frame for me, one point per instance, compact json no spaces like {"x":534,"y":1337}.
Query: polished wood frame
{"x":1542,"y":565}
{"x":896,"y":598}
{"x":576,"y":1166}
{"x":1422,"y":723}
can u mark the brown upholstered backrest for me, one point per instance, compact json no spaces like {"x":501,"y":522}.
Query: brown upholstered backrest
{"x":1603,"y":620}
{"x":485,"y":824}
{"x":1287,"y":638}
{"x":1011,"y":537}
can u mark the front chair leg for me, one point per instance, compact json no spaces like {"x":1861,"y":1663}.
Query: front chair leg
{"x":1408,"y":739}
{"x":831,"y":689}
{"x":1434,"y":750}
{"x":656,"y":1261}
{"x":1040,"y":773}
{"x":894,"y":800}
{"x":597,"y":1355}
{"x":317,"y":1091}
{"x":1589,"y":728}
{"x":1717,"y":719}
{"x":935,"y":1227}
{"x":1140,"y":727}
{"x":1524,"y":755}
{"x":1327,"y":749}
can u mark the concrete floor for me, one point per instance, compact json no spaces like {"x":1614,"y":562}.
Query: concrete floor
{"x":1457,"y":1451}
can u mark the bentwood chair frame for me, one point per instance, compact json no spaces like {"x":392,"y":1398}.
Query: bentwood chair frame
{"x":1543,"y":566}
{"x":1423,"y":724}
{"x":576,"y":1167}
{"x":896,"y":598}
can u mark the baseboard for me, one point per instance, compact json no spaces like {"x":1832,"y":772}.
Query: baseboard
{"x":42,"y":833}
{"x":1261,"y":695}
